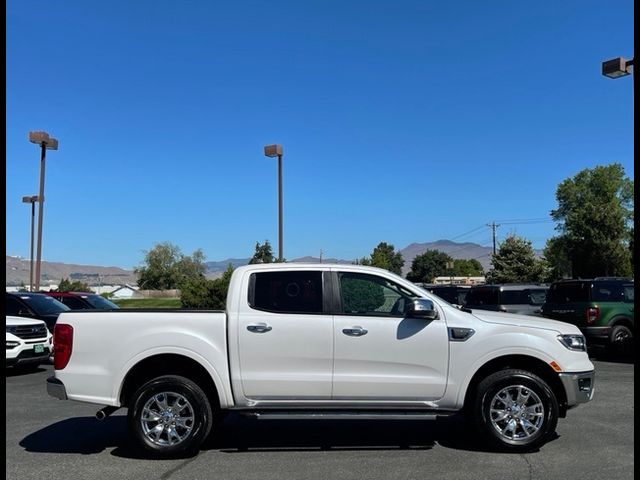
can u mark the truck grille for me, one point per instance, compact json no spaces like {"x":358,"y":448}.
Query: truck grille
{"x":28,"y":331}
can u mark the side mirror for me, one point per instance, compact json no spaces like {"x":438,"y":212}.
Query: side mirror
{"x":422,"y":308}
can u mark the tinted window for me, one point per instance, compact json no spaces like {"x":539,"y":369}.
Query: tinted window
{"x":12,"y":306}
{"x":482,"y":296}
{"x":568,"y":292}
{"x":537,"y":297}
{"x":292,"y":292}
{"x":606,"y":292}
{"x":371,"y":295}
{"x":74,"y":303}
{"x":97,"y":301}
{"x":447,"y":294}
{"x":628,"y":293}
{"x":44,"y":305}
{"x":513,"y":297}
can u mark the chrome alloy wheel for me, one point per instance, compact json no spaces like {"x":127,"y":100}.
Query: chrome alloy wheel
{"x":167,"y":419}
{"x":517,"y":412}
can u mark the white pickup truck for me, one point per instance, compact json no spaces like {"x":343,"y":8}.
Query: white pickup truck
{"x":322,"y":341}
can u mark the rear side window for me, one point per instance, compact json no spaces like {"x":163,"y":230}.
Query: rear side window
{"x":537,"y":297}
{"x":513,"y":297}
{"x":628,"y":293}
{"x":569,"y":292}
{"x":286,"y":292}
{"x":483,"y":296}
{"x":606,"y":292}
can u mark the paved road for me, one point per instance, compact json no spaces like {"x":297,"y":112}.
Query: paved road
{"x":51,"y":439}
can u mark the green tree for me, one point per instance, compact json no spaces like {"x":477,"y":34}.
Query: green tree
{"x":384,"y":256}
{"x":165,"y":267}
{"x":263,"y":253}
{"x":66,"y":285}
{"x":202,"y":293}
{"x":465,"y":268}
{"x":595,"y":221}
{"x":556,"y":254}
{"x":516,"y":262}
{"x":428,"y":265}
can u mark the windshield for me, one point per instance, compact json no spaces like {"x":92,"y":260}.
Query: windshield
{"x":44,"y":305}
{"x":99,"y":302}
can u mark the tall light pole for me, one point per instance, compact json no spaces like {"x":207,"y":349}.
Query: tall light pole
{"x":46,"y":143}
{"x":32,"y":199}
{"x":619,"y":67}
{"x":276,"y":151}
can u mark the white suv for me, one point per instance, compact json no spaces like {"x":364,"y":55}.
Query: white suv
{"x":29,"y":343}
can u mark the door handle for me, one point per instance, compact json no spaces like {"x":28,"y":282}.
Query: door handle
{"x":355,"y":331}
{"x":259,"y":327}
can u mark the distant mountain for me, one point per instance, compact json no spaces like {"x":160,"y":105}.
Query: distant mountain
{"x":216,"y":269}
{"x":464,"y":251}
{"x":52,"y":272}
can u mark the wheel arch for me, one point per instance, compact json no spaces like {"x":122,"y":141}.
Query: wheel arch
{"x":522,"y":362}
{"x":168,"y":364}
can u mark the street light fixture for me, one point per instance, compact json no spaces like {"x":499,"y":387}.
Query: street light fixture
{"x":276,"y":151}
{"x":32,"y":199}
{"x":46,"y":143}
{"x":617,"y":67}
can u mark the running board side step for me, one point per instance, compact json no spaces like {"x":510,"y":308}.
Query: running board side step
{"x":343,"y":415}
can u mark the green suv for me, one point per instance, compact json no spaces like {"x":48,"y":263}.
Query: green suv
{"x":602,"y":308}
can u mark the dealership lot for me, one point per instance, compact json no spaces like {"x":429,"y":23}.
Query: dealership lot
{"x":47,"y":438}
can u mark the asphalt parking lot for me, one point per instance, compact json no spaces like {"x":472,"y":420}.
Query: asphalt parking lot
{"x":50,"y":439}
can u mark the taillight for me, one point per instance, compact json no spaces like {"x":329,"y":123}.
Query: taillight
{"x":592,"y":314}
{"x":62,"y":345}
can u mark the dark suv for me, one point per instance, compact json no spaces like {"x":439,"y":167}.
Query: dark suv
{"x":454,"y":294}
{"x":510,"y":298}
{"x":83,"y":300}
{"x":602,"y":308}
{"x":34,"y":305}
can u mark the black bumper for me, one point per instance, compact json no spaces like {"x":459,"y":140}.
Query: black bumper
{"x":29,"y":357}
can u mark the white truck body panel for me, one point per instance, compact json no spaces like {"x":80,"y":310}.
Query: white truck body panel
{"x":306,"y":359}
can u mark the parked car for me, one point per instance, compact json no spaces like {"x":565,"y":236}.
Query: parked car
{"x":28,"y":342}
{"x":83,"y":300}
{"x":322,"y":341}
{"x":603,"y":308}
{"x":454,"y":294}
{"x":34,"y":305}
{"x":510,"y":298}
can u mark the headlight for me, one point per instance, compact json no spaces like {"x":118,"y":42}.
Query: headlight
{"x":11,"y":344}
{"x":573,"y":342}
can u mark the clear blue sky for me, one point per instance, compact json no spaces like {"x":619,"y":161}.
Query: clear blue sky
{"x":402,"y":121}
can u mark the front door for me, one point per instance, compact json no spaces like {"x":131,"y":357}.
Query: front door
{"x":285,"y":338}
{"x":380,"y":354}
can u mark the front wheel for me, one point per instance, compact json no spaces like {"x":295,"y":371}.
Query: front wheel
{"x":170,"y":415}
{"x":515,"y":410}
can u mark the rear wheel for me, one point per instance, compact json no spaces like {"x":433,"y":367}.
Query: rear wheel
{"x":515,"y":410}
{"x":621,"y":339}
{"x":170,"y":415}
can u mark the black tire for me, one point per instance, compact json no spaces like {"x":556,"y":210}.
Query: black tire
{"x":539,"y":427}
{"x":621,"y":340}
{"x":188,"y":398}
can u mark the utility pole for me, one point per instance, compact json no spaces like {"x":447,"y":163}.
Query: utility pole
{"x":493,"y":225}
{"x":320,"y":255}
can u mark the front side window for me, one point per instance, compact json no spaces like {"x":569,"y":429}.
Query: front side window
{"x":628,"y":293}
{"x":373,"y":296}
{"x":286,"y":292}
{"x":537,"y":297}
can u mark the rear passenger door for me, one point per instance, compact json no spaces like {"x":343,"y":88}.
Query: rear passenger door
{"x":285,"y":337}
